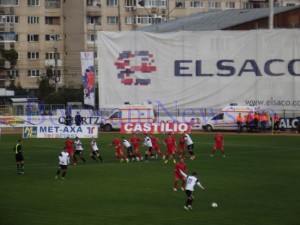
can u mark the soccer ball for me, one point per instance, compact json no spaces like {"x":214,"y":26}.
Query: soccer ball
{"x":214,"y":205}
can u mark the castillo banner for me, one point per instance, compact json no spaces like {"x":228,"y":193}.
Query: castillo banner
{"x":158,"y":128}
{"x":88,"y":75}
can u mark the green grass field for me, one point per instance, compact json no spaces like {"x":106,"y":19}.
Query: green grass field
{"x":258,"y":183}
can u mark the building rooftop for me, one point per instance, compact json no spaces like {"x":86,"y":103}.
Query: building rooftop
{"x":214,"y":20}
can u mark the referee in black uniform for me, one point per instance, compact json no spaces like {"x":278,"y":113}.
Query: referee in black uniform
{"x":19,"y":157}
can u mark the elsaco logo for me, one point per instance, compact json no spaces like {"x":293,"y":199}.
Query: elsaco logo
{"x":29,"y":132}
{"x":129,"y":74}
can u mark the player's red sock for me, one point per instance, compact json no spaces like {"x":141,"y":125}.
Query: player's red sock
{"x":175,"y":184}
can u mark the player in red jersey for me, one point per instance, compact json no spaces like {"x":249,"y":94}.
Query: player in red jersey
{"x":119,"y":150}
{"x":170,"y":143}
{"x":155,"y":144}
{"x":181,"y":146}
{"x":219,"y":144}
{"x":136,"y":146}
{"x":178,"y":176}
{"x":69,"y":149}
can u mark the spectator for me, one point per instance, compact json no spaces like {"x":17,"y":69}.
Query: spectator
{"x":68,"y":120}
{"x":239,"y":122}
{"x":276,"y":122}
{"x":78,"y":119}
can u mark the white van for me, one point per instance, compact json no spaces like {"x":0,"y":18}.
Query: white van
{"x":128,"y":114}
{"x":226,"y":118}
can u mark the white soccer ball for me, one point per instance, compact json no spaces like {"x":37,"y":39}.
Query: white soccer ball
{"x":214,"y":205}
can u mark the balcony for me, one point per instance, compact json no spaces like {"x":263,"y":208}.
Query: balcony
{"x":52,"y":4}
{"x":7,"y":37}
{"x":51,"y":62}
{"x":91,"y":26}
{"x":94,"y":9}
{"x":8,"y":3}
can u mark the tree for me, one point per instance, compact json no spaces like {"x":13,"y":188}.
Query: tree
{"x":45,"y":88}
{"x":18,"y":89}
{"x":10,"y":55}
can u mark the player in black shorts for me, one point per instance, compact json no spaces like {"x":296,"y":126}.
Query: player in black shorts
{"x":19,"y":157}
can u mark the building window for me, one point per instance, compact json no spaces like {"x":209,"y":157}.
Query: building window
{"x":16,"y":37}
{"x":33,"y":2}
{"x":91,"y":37}
{"x":129,"y":20}
{"x":290,"y":4}
{"x":180,"y":4}
{"x":214,"y":5}
{"x":153,"y":3}
{"x":93,"y":20}
{"x":52,"y":37}
{"x":8,"y":19}
{"x":33,"y":55}
{"x":33,"y":19}
{"x":247,"y":5}
{"x":196,"y":4}
{"x":230,"y":5}
{"x":52,"y":3}
{"x":143,"y":20}
{"x":57,"y":73}
{"x":93,"y":2}
{"x":33,"y":73}
{"x":9,"y":2}
{"x":112,"y":2}
{"x":32,"y":37}
{"x":51,"y":55}
{"x":52,"y":20}
{"x":112,"y":19}
{"x":129,"y":3}
{"x":12,"y":73}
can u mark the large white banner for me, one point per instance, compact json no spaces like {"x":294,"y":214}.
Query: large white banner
{"x":201,"y":69}
{"x":88,"y":76}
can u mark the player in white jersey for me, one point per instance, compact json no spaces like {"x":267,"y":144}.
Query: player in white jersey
{"x":128,"y":147}
{"x":78,"y":149}
{"x":63,"y":164}
{"x":148,"y":145}
{"x":95,"y":150}
{"x":189,"y":145}
{"x":191,"y":181}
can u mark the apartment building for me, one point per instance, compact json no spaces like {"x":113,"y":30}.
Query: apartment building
{"x":48,"y":35}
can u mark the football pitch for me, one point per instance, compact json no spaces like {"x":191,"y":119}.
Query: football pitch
{"x":258,"y":183}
